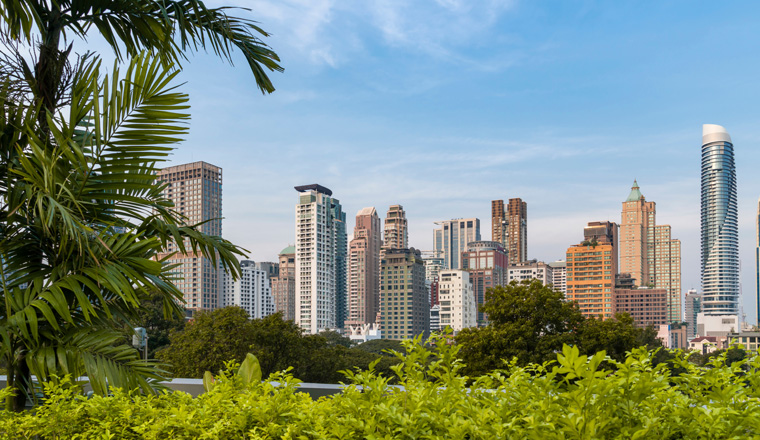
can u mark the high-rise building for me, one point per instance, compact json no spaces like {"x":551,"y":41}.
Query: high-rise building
{"x":757,"y":261}
{"x":250,"y":292}
{"x":284,"y":285}
{"x":720,"y":237}
{"x":458,"y":309}
{"x":196,"y":191}
{"x":667,"y":269}
{"x":637,"y":236}
{"x":591,"y":270}
{"x":646,"y":306}
{"x":452,"y":238}
{"x":531,"y":270}
{"x":433,"y":261}
{"x":364,"y":269}
{"x":395,"y":235}
{"x":559,"y":275}
{"x":648,"y":252}
{"x":486,"y":263}
{"x":404,"y":300}
{"x":435,"y":318}
{"x":498,"y":222}
{"x":320,"y":259}
{"x":517,"y":230}
{"x":692,"y":308}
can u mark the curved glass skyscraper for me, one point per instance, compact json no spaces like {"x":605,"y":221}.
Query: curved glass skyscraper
{"x":720,"y":237}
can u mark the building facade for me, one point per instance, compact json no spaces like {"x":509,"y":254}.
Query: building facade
{"x":487,"y":264}
{"x":646,"y":306}
{"x":452,"y":238}
{"x":667,"y":269}
{"x":364,"y":269}
{"x":591,"y":270}
{"x":250,"y":292}
{"x":404,"y":300}
{"x":637,"y":237}
{"x":692,"y":308}
{"x":320,"y":260}
{"x":196,"y":191}
{"x":517,"y":230}
{"x":559,"y":275}
{"x":497,"y":221}
{"x":531,"y":270}
{"x":284,"y":285}
{"x":720,"y":237}
{"x":395,"y":235}
{"x":458,"y":309}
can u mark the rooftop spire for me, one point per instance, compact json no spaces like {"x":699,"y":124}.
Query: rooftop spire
{"x":635,"y":194}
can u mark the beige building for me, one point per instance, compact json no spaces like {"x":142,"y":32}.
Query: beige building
{"x":648,"y":252}
{"x":646,"y":306}
{"x":591,"y":270}
{"x":196,"y":191}
{"x":364,"y":269}
{"x":509,"y":226}
{"x":395,"y":234}
{"x":404,"y":299}
{"x":457,"y":300}
{"x":284,"y":284}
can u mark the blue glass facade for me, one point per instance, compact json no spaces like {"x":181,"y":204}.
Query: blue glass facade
{"x":720,"y":239}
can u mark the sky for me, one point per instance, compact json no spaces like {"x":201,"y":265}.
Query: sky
{"x":442,"y":106}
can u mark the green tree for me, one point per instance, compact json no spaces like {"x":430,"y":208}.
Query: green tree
{"x":615,"y":336}
{"x":527,"y":320}
{"x":83,"y":217}
{"x":150,"y":315}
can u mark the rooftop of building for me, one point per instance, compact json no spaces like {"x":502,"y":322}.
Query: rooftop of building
{"x":288,"y":250}
{"x":635,"y":193}
{"x":314,"y":187}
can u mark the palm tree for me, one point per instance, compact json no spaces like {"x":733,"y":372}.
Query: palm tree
{"x":82,"y":217}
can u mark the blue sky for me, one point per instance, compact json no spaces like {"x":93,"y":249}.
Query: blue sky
{"x":443,"y":106}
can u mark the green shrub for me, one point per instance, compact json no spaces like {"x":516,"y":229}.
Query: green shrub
{"x":575,"y":397}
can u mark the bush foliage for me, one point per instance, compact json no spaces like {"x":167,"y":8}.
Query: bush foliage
{"x":574,"y":397}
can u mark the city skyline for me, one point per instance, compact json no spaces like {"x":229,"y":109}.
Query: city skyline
{"x":540,"y":108}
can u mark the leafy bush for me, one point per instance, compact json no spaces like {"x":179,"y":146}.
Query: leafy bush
{"x":574,"y":397}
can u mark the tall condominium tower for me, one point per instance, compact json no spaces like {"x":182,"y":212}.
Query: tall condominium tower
{"x":692,"y":308}
{"x":405,"y":302}
{"x":320,"y":259}
{"x":510,"y":228}
{"x":457,"y":308}
{"x":648,"y":252}
{"x":637,"y":237}
{"x":196,"y":191}
{"x":497,"y":222}
{"x":591,"y":270}
{"x":517,"y":231}
{"x":559,"y":275}
{"x":364,"y":269}
{"x":250,"y":292}
{"x":284,"y":285}
{"x":452,"y":238}
{"x":395,"y":231}
{"x":720,"y":238}
{"x":486,"y":263}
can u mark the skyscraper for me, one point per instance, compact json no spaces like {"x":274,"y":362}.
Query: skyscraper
{"x":591,"y":270}
{"x":637,"y":237}
{"x":667,"y":269}
{"x":364,"y":269}
{"x":692,"y":308}
{"x":486,"y":263}
{"x":196,"y":191}
{"x":284,"y":285}
{"x":320,"y":259}
{"x":720,"y":239}
{"x":457,"y":309}
{"x":497,"y":222}
{"x":405,"y":302}
{"x":452,"y":238}
{"x":251,"y":291}
{"x":517,"y":231}
{"x":395,"y":231}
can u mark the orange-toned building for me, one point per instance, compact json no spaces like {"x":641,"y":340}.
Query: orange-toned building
{"x":591,"y":270}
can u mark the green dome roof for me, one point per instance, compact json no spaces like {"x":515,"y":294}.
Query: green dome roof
{"x":288,"y":250}
{"x":635,"y":194}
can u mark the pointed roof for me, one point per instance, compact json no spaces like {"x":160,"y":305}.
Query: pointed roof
{"x":635,"y":193}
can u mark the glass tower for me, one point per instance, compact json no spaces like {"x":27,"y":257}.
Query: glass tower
{"x":720,"y":238}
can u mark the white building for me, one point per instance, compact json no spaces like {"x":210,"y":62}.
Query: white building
{"x":321,"y":249}
{"x":363,"y":332}
{"x":717,"y":325}
{"x":251,"y":292}
{"x":457,"y":300}
{"x":531,"y":270}
{"x":559,"y":275}
{"x":435,"y":318}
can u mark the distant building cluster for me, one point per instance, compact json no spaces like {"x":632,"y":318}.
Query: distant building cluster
{"x":377,"y":286}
